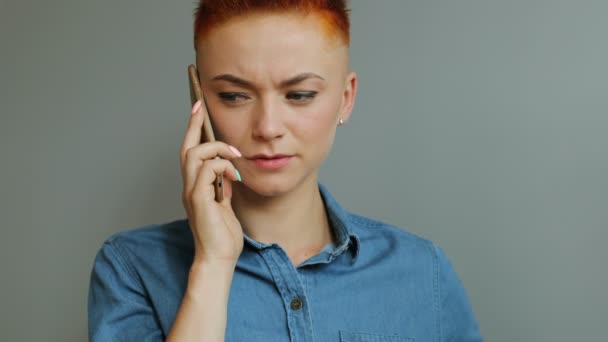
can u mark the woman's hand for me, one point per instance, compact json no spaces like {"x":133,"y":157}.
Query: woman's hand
{"x":217,"y":233}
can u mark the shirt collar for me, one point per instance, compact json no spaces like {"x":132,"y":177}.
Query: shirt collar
{"x":346,"y":238}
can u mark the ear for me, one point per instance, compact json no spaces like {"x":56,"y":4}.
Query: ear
{"x":348,"y":98}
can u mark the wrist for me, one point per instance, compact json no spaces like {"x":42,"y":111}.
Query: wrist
{"x":210,"y":276}
{"x":217,"y":268}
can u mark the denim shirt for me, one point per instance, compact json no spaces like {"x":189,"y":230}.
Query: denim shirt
{"x":377,"y":284}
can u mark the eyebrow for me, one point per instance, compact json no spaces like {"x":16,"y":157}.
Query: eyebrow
{"x":284,"y":84}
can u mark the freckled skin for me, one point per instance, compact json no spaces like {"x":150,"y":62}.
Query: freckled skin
{"x":265,"y":49}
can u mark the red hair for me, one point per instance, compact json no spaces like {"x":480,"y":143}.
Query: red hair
{"x":211,"y":13}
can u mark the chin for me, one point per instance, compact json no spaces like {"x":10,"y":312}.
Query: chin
{"x":270,"y":185}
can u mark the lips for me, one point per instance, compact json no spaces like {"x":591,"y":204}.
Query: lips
{"x":266,"y":156}
{"x":271,"y":162}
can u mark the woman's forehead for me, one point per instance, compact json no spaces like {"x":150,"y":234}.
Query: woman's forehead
{"x":264,"y":43}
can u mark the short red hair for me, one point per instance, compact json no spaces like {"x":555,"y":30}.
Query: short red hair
{"x":211,"y":13}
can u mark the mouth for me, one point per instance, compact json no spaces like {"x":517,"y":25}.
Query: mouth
{"x":271,"y":162}
{"x":266,"y":156}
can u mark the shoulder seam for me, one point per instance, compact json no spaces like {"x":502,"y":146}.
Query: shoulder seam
{"x":436,"y":286}
{"x":114,"y":245}
{"x":366,"y":220}
{"x":376,"y":223}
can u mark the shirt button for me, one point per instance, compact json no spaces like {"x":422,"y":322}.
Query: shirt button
{"x":296,"y":304}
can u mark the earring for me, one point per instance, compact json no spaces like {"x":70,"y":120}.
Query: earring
{"x":340,"y":122}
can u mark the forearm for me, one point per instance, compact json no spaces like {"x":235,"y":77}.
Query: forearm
{"x":203,"y":312}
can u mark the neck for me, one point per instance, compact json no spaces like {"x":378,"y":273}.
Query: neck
{"x":297,"y":220}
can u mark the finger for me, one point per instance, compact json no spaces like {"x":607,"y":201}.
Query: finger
{"x":204,"y":187}
{"x":194,"y":130}
{"x":197,"y":156}
{"x":226,"y":202}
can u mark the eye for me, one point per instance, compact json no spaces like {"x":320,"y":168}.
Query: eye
{"x":232,"y":98}
{"x":301,"y":96}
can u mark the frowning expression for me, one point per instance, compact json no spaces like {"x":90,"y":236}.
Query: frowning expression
{"x":276,"y":84}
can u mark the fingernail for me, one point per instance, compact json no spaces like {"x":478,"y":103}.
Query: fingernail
{"x":235,"y":151}
{"x":196,"y":107}
{"x":238,"y":175}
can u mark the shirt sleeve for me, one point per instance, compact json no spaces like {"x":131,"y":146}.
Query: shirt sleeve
{"x":118,"y":307}
{"x":457,"y":321}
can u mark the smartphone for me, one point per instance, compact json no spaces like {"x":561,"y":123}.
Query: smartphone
{"x":196,"y":93}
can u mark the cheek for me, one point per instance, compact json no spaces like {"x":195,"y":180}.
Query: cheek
{"x":227,"y":129}
{"x":317,"y":123}
{"x":325,"y":113}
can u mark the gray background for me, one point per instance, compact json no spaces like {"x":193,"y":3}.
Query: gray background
{"x":481,"y":125}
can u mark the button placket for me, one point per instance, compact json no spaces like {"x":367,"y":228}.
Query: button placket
{"x":291,"y":287}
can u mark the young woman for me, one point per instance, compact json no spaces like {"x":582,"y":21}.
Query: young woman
{"x":278,"y":259}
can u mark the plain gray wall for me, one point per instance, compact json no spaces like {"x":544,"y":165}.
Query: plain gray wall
{"x":481,"y":125}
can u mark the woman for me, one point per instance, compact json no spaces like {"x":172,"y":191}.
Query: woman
{"x":278,"y":259}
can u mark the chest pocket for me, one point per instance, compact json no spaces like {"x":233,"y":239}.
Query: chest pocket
{"x":349,"y":336}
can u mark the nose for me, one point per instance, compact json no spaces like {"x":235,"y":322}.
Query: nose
{"x":267,"y":120}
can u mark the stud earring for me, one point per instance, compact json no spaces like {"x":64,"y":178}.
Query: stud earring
{"x":340,"y":122}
